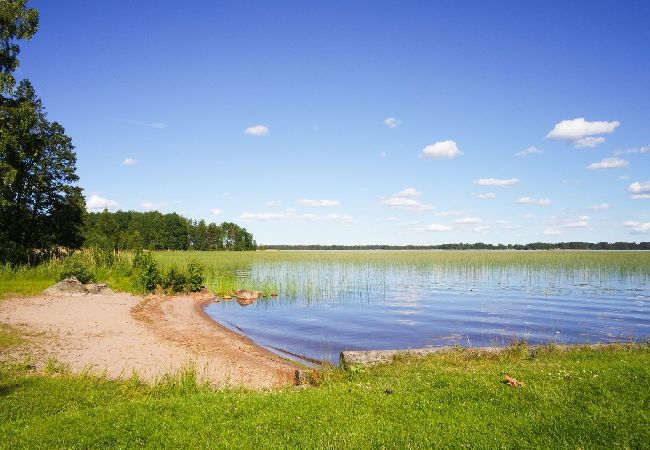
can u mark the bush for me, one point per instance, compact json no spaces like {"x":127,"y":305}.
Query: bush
{"x":195,"y":278}
{"x":77,"y":266}
{"x":147,"y":275}
{"x":174,"y":281}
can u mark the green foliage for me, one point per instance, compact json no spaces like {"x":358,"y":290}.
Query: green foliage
{"x":174,"y":281}
{"x":41,"y":206}
{"x":80,"y":266}
{"x":578,"y":399}
{"x":147,"y":275}
{"x":195,"y":278}
{"x":131,"y":230}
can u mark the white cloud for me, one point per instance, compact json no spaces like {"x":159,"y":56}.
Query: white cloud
{"x":409,"y":204}
{"x":623,"y":177}
{"x":392,"y":122}
{"x":257,"y":130}
{"x":408,"y":192}
{"x":344,"y":218}
{"x":608,"y":163}
{"x":292,"y":216}
{"x":99,"y":203}
{"x":486,"y":196}
{"x":501,"y":222}
{"x":581,"y":133}
{"x":527,"y":216}
{"x":642,"y":150}
{"x":450,"y":213}
{"x":637,"y":227}
{"x":437,"y":227}
{"x":318,"y":203}
{"x":468,"y":221}
{"x":640,"y":190}
{"x":441,"y":150}
{"x":129,"y":162}
{"x":588,"y":142}
{"x":533,"y":201}
{"x":529,"y":151}
{"x":273,"y":203}
{"x":557,"y":225}
{"x":497,"y":182}
{"x":408,"y":224}
{"x":552,"y":231}
{"x":600,"y":207}
{"x":216,"y":211}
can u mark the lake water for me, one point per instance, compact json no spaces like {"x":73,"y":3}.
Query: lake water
{"x":327,"y":309}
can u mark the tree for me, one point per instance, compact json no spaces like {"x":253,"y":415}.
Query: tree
{"x":41,"y":207}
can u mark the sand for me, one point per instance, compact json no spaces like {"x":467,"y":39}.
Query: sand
{"x":119,"y":334}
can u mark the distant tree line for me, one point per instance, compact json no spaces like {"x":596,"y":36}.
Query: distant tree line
{"x":475,"y":246}
{"x":131,"y":230}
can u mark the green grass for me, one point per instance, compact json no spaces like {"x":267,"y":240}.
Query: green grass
{"x":8,"y":337}
{"x":583,"y":398}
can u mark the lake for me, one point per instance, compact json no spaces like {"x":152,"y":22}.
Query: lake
{"x":325,"y":308}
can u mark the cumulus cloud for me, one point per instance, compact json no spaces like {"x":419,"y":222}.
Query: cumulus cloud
{"x":99,"y":203}
{"x":637,"y":227}
{"x":392,"y":122}
{"x":404,"y":200}
{"x":600,"y":207}
{"x":437,"y":227}
{"x":529,"y":151}
{"x":318,"y":203}
{"x":608,"y":163}
{"x":486,"y":196}
{"x":497,"y":182}
{"x":582,"y":133}
{"x":441,"y":150}
{"x":533,"y":201}
{"x":257,"y":130}
{"x":639,"y":190}
{"x":129,"y":162}
{"x":468,"y":221}
{"x":216,"y":211}
{"x":409,"y":204}
{"x":409,"y":192}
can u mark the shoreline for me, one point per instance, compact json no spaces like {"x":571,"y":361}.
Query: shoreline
{"x":120,"y":334}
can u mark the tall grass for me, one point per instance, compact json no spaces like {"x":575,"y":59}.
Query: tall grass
{"x":326,"y":273}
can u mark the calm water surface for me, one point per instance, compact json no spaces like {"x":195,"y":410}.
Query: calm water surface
{"x":327,"y":309}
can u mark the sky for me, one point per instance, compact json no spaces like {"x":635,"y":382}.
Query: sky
{"x":358,"y":122}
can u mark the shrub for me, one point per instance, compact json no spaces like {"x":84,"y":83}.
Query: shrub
{"x":79,"y":267}
{"x":174,"y":281}
{"x":147,"y":275}
{"x":195,"y":278}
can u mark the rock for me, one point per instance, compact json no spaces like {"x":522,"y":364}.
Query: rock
{"x":245,"y":301}
{"x":244,"y":294}
{"x":72,"y":286}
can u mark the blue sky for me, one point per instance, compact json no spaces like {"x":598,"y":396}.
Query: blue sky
{"x":359,"y":122}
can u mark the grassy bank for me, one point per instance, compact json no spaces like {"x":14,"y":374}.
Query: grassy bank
{"x":584,"y":398}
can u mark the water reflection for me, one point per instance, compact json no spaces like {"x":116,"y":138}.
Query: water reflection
{"x":323,"y":309}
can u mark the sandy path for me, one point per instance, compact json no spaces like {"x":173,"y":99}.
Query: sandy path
{"x":121,"y":333}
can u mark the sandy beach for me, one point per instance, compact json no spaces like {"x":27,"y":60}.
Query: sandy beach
{"x":118,"y":334}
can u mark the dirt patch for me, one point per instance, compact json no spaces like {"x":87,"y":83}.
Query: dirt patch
{"x":118,"y":334}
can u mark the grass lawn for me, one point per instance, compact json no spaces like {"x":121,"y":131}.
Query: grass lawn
{"x":583,"y":398}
